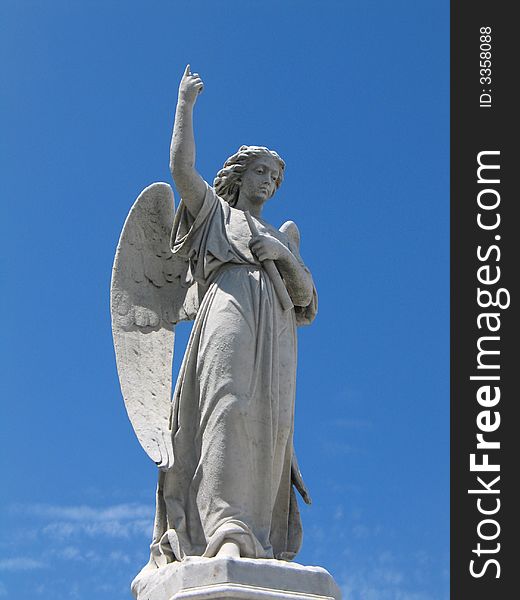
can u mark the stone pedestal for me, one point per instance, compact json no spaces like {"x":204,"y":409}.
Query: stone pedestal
{"x":235,"y":579}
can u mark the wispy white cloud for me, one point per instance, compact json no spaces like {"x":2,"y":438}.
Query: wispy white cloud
{"x":339,"y":513}
{"x":114,"y":589}
{"x":389,"y":576}
{"x":71,"y":553}
{"x":21,"y":563}
{"x":115,"y":529}
{"x":384,"y":580}
{"x":363,"y":532}
{"x":119,"y":557}
{"x":70,"y":522}
{"x":380,"y":585}
{"x":354,"y":424}
{"x":84,"y":512}
{"x":335,"y":448}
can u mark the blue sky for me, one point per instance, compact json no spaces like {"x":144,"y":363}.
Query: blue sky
{"x":354,"y":95}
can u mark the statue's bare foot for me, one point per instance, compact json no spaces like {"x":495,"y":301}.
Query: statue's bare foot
{"x":229,"y":550}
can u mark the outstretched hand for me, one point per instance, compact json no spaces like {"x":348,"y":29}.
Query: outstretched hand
{"x":190,"y":86}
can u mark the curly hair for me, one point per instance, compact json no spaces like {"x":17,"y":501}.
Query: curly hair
{"x":226,"y":183}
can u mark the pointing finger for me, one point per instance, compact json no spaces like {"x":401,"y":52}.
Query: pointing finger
{"x":187,"y":70}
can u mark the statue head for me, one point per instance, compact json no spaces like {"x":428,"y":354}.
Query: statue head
{"x":227,"y":181}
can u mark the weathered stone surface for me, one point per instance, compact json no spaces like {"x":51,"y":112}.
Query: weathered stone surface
{"x":238,"y":578}
{"x":227,"y":519}
{"x":224,"y":443}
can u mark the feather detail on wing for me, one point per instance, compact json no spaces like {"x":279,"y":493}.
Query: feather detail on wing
{"x":149,"y":294}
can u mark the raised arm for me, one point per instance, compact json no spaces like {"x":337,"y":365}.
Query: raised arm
{"x":188,"y":182}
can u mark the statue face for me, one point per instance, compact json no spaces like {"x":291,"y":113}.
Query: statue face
{"x":258,"y":182}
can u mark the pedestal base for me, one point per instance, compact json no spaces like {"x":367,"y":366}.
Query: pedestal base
{"x":237,"y":579}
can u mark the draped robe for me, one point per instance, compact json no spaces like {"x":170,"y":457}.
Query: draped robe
{"x":233,"y":406}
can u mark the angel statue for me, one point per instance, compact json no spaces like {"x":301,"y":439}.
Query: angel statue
{"x":223,"y":441}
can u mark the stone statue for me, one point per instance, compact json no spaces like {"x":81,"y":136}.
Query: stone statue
{"x":224,"y":443}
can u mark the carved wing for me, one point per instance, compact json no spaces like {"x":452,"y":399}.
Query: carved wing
{"x":304,"y":314}
{"x":149,"y":294}
{"x":293,"y":233}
